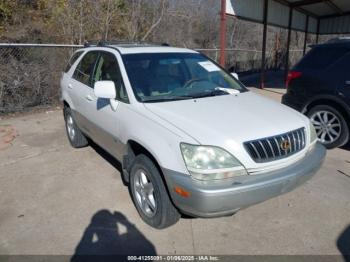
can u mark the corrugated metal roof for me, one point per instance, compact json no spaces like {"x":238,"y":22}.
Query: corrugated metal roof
{"x":280,"y":14}
{"x":299,"y":21}
{"x":312,"y":25}
{"x":336,"y":25}
{"x":334,"y":15}
{"x":343,"y":4}
{"x":319,"y":9}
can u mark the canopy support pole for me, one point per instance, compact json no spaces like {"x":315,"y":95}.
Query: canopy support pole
{"x":306,"y":34}
{"x":223,"y":33}
{"x":288,"y":41}
{"x":318,"y":31}
{"x":263,"y":58}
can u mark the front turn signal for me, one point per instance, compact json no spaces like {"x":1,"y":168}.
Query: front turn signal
{"x":182,"y":192}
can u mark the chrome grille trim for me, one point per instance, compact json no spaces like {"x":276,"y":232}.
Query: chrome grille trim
{"x":269,"y":148}
{"x":256,"y":151}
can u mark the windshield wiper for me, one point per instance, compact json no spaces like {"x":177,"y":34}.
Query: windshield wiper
{"x":167,"y":99}
{"x":215,"y":92}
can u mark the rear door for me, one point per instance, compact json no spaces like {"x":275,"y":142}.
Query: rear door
{"x":82,"y":91}
{"x":318,"y":77}
{"x":342,"y":69}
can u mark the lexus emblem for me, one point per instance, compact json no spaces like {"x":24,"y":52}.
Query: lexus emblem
{"x":285,"y":145}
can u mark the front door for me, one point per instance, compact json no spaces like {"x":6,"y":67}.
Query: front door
{"x":104,"y":116}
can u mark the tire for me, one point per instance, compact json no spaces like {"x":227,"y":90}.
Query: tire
{"x":334,"y":120}
{"x":75,"y":136}
{"x":159,"y":212}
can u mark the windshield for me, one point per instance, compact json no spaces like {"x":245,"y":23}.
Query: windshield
{"x":175,"y":76}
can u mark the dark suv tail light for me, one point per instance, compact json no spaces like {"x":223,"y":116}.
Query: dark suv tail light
{"x":291,"y":76}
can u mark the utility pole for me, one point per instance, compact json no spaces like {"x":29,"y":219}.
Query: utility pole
{"x":223,"y":33}
{"x":263,"y":57}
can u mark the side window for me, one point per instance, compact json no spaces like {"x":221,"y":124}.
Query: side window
{"x":85,"y":68}
{"x":107,"y":69}
{"x":72,"y":60}
{"x":322,"y":57}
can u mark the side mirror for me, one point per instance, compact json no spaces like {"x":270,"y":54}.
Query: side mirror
{"x":105,"y":89}
{"x":235,"y":75}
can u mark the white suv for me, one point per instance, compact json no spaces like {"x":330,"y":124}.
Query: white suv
{"x":190,"y":137}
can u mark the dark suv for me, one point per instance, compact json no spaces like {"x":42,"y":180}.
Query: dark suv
{"x":319,"y":86}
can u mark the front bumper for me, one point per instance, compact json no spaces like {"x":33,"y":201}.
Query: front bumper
{"x":224,"y":197}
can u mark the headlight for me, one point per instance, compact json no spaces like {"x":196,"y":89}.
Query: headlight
{"x":313,"y":134}
{"x":210,"y":163}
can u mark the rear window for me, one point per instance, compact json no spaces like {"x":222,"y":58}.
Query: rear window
{"x":72,"y":60}
{"x":322,"y":57}
{"x":85,"y":68}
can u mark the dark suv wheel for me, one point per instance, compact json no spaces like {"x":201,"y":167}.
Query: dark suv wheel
{"x":331,"y":127}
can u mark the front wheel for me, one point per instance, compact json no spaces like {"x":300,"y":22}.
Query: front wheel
{"x":149,"y":194}
{"x":331,"y":127}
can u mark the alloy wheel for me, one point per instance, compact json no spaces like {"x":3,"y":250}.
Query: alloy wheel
{"x":144,"y":192}
{"x":327,"y":125}
{"x":70,"y":127}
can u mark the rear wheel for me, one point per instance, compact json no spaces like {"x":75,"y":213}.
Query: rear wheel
{"x":75,"y":136}
{"x":149,"y":194}
{"x":331,"y":127}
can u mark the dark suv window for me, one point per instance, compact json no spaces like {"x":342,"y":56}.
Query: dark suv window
{"x":85,"y":68}
{"x":72,"y":60}
{"x":107,"y":68}
{"x":322,"y":57}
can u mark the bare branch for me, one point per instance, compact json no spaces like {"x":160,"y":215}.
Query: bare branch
{"x":156,"y":23}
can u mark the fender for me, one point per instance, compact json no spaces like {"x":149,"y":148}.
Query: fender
{"x":169,"y":159}
{"x":328,"y":97}
{"x":153,"y":135}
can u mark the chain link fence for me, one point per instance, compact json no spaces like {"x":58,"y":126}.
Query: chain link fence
{"x":30,"y":73}
{"x":249,"y":61}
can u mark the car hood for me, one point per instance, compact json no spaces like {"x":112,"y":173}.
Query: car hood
{"x":230,"y":120}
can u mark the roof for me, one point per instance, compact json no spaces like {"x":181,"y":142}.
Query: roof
{"x":338,"y":42}
{"x":323,"y":16}
{"x":136,"y":48}
{"x":152,"y":49}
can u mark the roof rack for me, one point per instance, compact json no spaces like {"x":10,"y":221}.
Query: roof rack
{"x":118,"y":42}
{"x":338,"y":40}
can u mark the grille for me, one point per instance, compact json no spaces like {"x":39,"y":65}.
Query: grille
{"x":276,"y":147}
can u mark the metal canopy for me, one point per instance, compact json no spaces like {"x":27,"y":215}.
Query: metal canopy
{"x":309,"y":16}
{"x":317,"y":16}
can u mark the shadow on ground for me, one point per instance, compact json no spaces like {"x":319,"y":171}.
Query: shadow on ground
{"x":109,"y":158}
{"x":111,"y":234}
{"x":343,"y":244}
{"x":106,"y":156}
{"x":346,"y":147}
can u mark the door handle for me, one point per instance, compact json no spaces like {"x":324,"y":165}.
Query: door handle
{"x":89,"y":98}
{"x":347,"y":82}
{"x":70,"y":86}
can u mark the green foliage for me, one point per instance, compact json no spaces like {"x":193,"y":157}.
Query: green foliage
{"x":6,"y":10}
